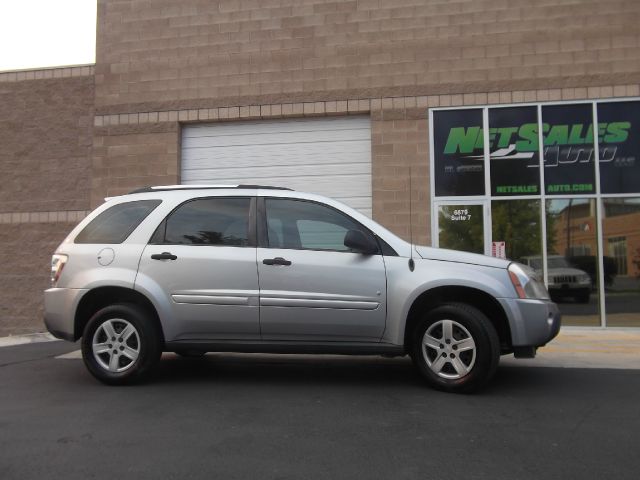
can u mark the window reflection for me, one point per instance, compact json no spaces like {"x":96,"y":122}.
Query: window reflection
{"x":517,"y":223}
{"x":461,"y":227}
{"x":572,"y":261}
{"x":621,"y":234}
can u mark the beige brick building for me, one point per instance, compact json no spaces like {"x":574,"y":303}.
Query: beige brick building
{"x":72,"y":136}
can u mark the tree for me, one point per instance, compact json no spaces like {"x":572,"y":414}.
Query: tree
{"x":517,"y":223}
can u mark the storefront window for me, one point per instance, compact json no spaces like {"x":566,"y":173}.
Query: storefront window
{"x":621,"y":233}
{"x":513,"y":143}
{"x":517,"y":224}
{"x":569,"y":152}
{"x":461,"y":227}
{"x":619,"y":137}
{"x":586,"y":255}
{"x":458,"y":144}
{"x":572,"y":262}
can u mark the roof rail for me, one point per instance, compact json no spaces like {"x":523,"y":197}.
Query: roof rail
{"x":164,"y":188}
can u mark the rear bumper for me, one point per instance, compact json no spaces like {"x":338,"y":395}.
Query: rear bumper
{"x":60,"y":305}
{"x":533,"y":323}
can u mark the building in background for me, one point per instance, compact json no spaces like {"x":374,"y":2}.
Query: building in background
{"x":509,"y":118}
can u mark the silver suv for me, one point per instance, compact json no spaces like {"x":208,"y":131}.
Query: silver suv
{"x":192,"y":270}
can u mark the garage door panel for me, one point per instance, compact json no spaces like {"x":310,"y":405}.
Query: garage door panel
{"x":329,"y":156}
{"x":278,"y":171}
{"x":278,"y":154}
{"x":328,"y":136}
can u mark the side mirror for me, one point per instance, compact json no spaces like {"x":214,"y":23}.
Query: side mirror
{"x":359,"y":242}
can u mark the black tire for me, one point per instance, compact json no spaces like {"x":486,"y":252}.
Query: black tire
{"x":478,"y":364}
{"x":146,"y":341}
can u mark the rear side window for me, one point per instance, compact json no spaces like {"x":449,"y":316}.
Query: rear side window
{"x":207,"y":221}
{"x":115,"y":224}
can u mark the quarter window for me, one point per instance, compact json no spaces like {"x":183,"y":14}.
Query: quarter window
{"x":207,"y":221}
{"x":115,"y":224}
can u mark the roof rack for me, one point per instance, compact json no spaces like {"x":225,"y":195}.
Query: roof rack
{"x":164,"y":188}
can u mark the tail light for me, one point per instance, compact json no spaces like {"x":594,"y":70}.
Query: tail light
{"x":58,"y":262}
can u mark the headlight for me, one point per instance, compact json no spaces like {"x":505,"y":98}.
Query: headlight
{"x":525,"y":282}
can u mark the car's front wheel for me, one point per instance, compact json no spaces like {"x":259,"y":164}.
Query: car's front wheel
{"x":456,"y":348}
{"x":121,"y":344}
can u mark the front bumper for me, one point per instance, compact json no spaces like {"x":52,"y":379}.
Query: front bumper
{"x":60,"y":305}
{"x":533,"y":323}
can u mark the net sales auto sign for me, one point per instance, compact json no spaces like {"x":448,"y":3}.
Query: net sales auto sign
{"x":568,"y":150}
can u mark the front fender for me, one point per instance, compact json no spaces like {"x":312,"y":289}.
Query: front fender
{"x":404,"y":287}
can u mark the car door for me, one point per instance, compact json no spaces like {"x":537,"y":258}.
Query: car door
{"x":201,"y":264}
{"x":312,"y":287}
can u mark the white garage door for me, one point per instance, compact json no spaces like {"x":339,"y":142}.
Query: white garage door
{"x":329,"y":156}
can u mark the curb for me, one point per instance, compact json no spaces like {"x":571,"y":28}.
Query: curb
{"x":13,"y":340}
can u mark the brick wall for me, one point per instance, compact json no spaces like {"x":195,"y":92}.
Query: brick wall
{"x":200,"y":54}
{"x":170,"y":63}
{"x":131,"y":156}
{"x":45,"y":133}
{"x":400,"y":150}
{"x":26,"y":265}
{"x":46,"y":122}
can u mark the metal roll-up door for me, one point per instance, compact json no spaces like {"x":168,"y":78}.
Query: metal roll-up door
{"x":330,"y":156}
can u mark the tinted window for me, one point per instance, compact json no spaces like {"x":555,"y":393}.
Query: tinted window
{"x":115,"y":224}
{"x":458,"y":144}
{"x":306,"y":225}
{"x":619,"y":137}
{"x":513,"y":150}
{"x":568,"y":149}
{"x":209,"y":221}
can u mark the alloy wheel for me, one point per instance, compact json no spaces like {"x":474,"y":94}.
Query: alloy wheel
{"x":449,"y":349}
{"x":116,"y":345}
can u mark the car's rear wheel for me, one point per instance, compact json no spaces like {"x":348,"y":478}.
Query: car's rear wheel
{"x":121,"y":344}
{"x":456,"y":348}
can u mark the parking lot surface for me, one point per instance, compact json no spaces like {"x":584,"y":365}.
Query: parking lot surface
{"x":311,"y":417}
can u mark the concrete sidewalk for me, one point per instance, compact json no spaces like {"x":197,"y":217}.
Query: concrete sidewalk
{"x":574,"y":347}
{"x":579,"y":347}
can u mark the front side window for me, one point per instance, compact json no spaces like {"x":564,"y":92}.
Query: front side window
{"x":298,"y":224}
{"x":115,"y":224}
{"x":207,"y":221}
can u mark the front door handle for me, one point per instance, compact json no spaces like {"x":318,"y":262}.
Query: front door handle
{"x":164,"y":256}
{"x":276,"y":261}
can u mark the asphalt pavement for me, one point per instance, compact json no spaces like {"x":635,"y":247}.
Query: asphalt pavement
{"x":233,"y":416}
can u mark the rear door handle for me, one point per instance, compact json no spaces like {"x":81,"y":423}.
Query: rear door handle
{"x":164,"y":256}
{"x":276,"y":261}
